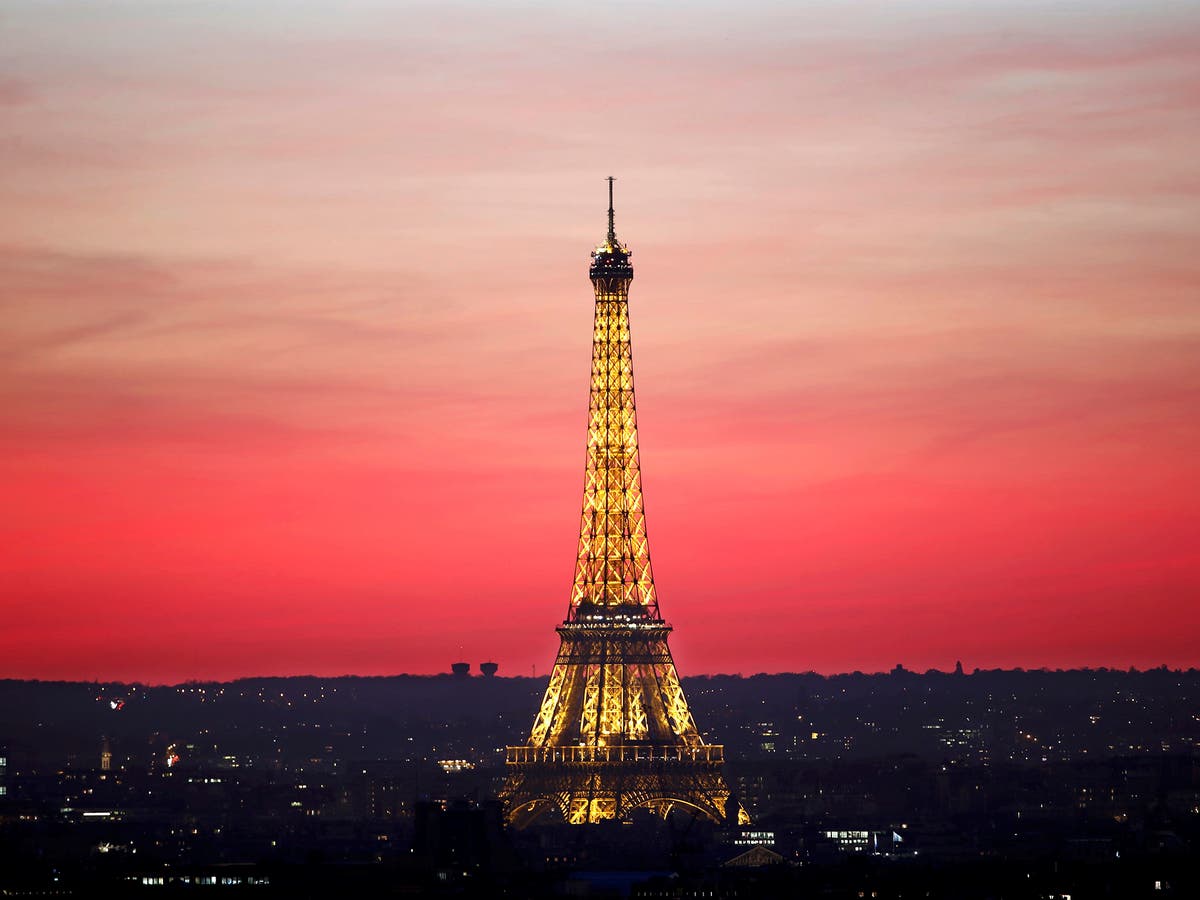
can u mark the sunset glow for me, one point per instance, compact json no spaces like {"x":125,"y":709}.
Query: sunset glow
{"x":297,"y":322}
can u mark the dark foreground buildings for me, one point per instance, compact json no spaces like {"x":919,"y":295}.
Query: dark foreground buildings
{"x":990,"y":784}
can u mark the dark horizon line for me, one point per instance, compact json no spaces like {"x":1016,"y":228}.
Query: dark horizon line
{"x":810,"y":673}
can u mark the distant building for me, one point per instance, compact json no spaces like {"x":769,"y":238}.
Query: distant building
{"x":105,"y":755}
{"x":488,"y":669}
{"x":875,"y":842}
{"x":461,"y":837}
{"x":461,"y":669}
{"x":753,"y":858}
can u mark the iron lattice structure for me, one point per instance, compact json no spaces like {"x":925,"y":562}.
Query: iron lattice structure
{"x":614,"y":732}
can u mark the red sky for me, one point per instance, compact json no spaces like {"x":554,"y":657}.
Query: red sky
{"x":297,"y":325}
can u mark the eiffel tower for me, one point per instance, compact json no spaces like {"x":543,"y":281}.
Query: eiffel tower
{"x":614,"y":733}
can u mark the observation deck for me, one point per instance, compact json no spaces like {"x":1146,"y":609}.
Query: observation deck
{"x":611,"y":261}
{"x":618,"y":754}
{"x":594,"y":620}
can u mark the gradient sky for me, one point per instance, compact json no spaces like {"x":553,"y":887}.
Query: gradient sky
{"x":296,"y":330}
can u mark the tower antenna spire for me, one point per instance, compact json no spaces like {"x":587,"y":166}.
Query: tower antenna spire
{"x":612,"y":230}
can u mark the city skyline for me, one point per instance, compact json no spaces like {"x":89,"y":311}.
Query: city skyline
{"x":294,"y":371}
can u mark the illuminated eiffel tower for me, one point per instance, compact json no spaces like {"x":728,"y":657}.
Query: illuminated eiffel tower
{"x":614,"y":732}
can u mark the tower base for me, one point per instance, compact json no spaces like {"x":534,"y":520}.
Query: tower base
{"x":580,"y":785}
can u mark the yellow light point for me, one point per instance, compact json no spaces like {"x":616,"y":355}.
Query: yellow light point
{"x":614,"y":732}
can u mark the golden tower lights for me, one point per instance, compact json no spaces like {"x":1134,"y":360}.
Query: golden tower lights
{"x":614,"y":732}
